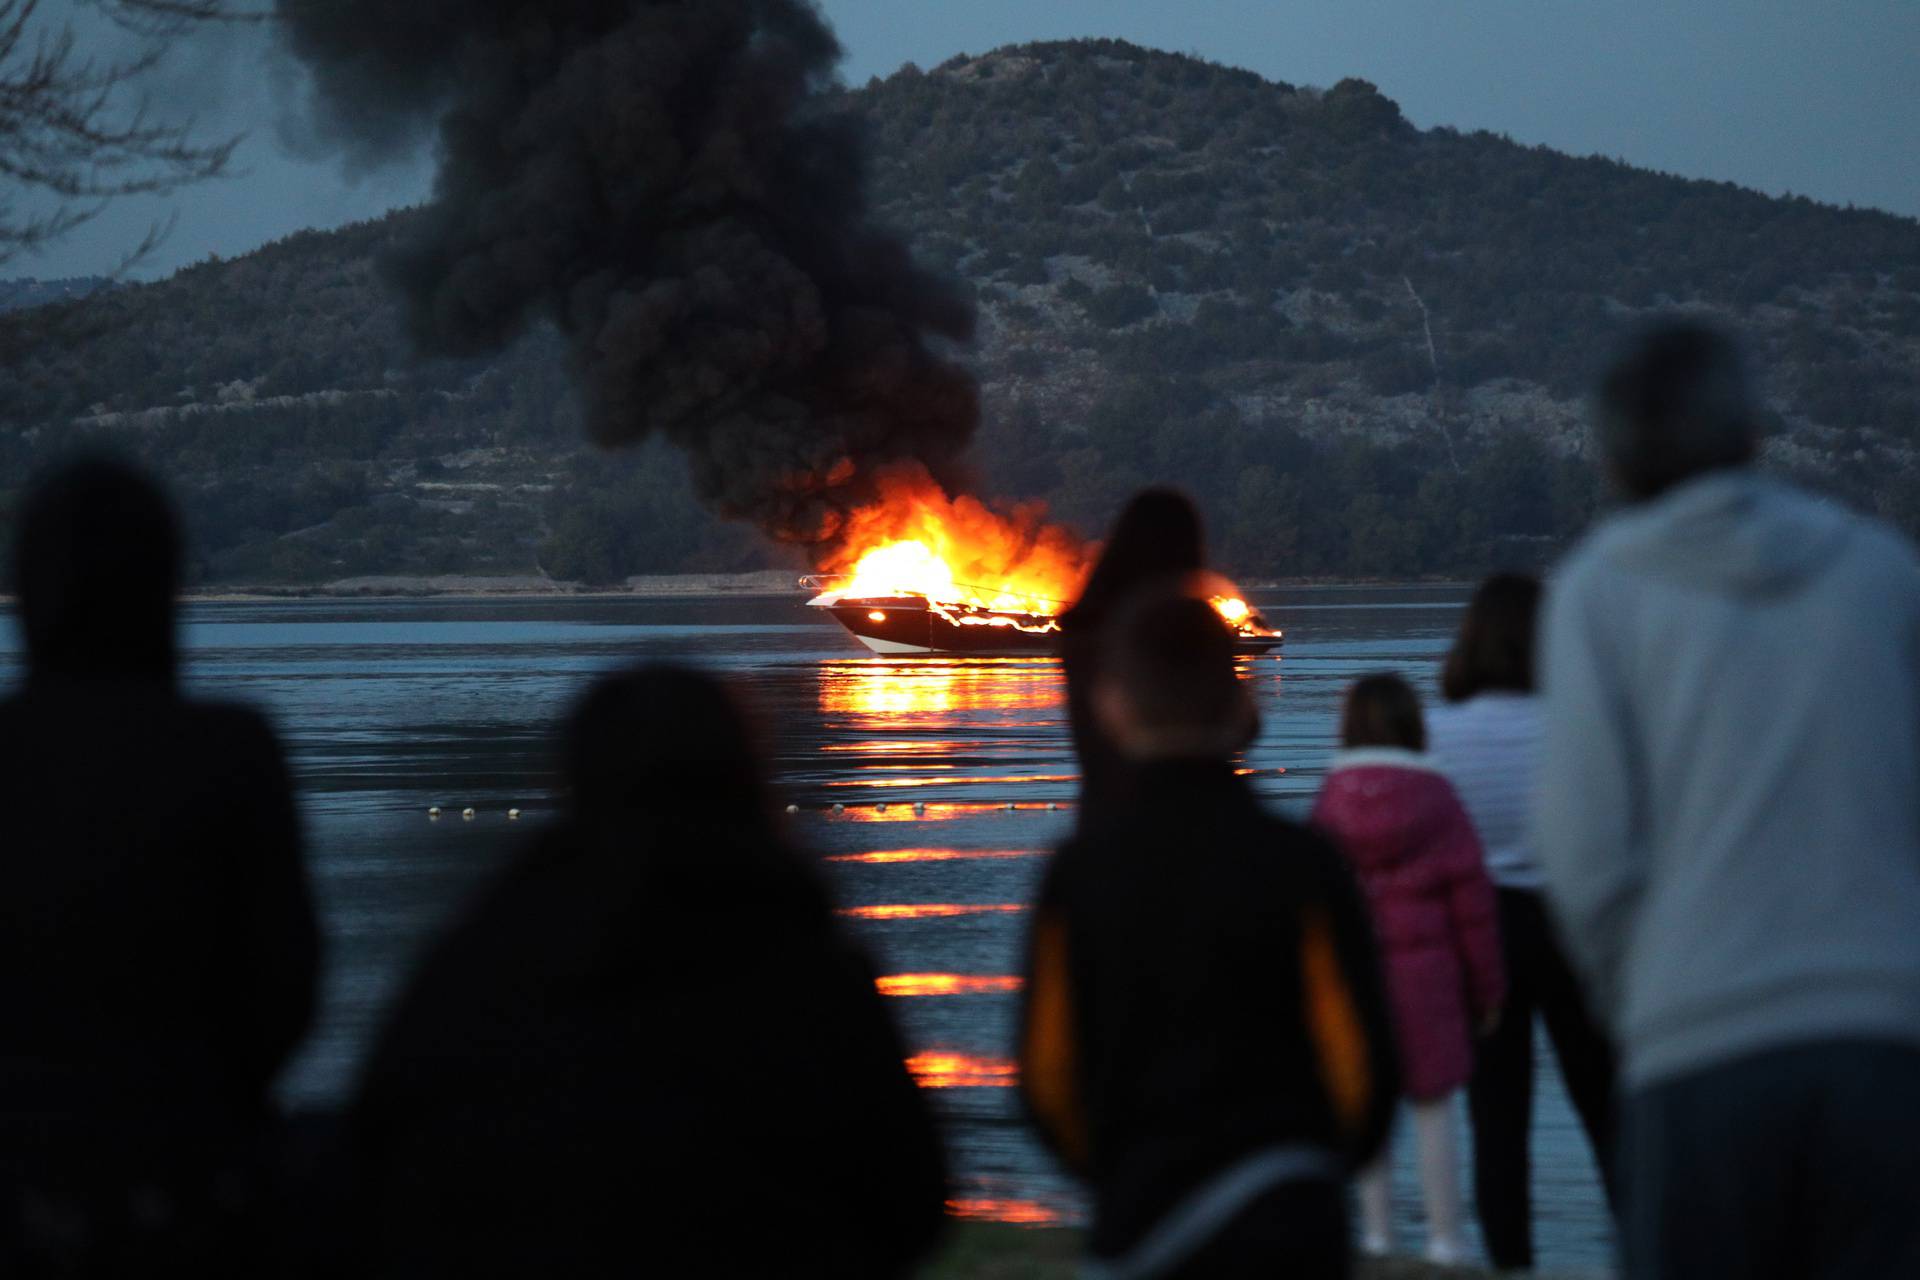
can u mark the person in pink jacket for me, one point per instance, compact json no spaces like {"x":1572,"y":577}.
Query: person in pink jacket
{"x":1415,"y":853}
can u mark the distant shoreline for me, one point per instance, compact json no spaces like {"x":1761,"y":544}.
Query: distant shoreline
{"x":769,"y":582}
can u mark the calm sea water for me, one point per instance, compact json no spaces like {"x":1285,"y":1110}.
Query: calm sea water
{"x":390,"y":707}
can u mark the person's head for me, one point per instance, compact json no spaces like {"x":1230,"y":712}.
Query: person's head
{"x":96,"y":564}
{"x":1157,"y":538}
{"x":1382,"y":711}
{"x":1166,"y":686}
{"x":1675,"y":405}
{"x":660,"y":741}
{"x":1494,"y":650}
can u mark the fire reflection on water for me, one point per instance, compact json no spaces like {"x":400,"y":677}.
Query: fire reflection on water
{"x":1003,"y":779}
{"x":893,"y":687}
{"x":931,"y":855}
{"x":907,"y":811}
{"x":944,"y":1069}
{"x":929,"y":910}
{"x":890,"y":747}
{"x":946,"y":984}
{"x":1025,"y":1213}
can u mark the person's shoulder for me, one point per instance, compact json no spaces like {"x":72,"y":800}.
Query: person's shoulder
{"x":240,"y":737}
{"x":1298,"y":843}
{"x":1304,"y":860}
{"x":1455,"y":725}
{"x":1594,"y":558}
{"x":235,"y":721}
{"x":1880,"y":549}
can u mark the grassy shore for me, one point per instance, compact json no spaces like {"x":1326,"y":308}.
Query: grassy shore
{"x":993,"y":1251}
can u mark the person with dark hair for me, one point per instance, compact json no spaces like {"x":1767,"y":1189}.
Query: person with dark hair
{"x":1204,"y":1039}
{"x":1157,"y":539}
{"x":1485,"y":738}
{"x":1414,"y":849}
{"x":158,"y":951}
{"x":1729,"y":825}
{"x":649,"y":1039}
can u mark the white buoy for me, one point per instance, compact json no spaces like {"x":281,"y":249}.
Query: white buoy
{"x":838,"y":807}
{"x":467,"y":814}
{"x":793,"y":808}
{"x":513,"y":815}
{"x":434,"y":811}
{"x":920,"y":806}
{"x":1052,"y":807}
{"x":1011,"y":807}
{"x":881,"y":807}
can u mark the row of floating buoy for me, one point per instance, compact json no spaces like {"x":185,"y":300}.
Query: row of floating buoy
{"x":919,"y":808}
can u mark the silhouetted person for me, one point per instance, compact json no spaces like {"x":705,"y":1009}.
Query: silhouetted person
{"x":1486,"y":737}
{"x":1415,"y":853}
{"x":1204,"y":1038}
{"x":649,"y":1044}
{"x":157,"y":944}
{"x":1730,"y":828}
{"x":1156,"y":539}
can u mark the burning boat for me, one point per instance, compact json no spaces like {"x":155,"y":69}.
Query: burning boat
{"x":919,"y":571}
{"x":901,"y":599}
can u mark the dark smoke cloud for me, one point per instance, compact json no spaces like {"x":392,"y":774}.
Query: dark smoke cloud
{"x":658,"y":178}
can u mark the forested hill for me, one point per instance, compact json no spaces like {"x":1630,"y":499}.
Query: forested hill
{"x":26,"y":291}
{"x":1365,"y":347}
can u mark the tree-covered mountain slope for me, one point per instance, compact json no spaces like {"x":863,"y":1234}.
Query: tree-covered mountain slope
{"x":1364,"y":347}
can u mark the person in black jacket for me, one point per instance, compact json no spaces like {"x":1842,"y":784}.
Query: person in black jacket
{"x":1156,"y":539}
{"x":648,"y":1044}
{"x":158,"y":949}
{"x":1204,"y":1037}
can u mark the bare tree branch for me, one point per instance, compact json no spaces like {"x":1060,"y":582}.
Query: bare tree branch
{"x":74,"y":132}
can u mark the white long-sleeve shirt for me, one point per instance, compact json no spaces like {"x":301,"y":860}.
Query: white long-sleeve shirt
{"x":1489,"y":748}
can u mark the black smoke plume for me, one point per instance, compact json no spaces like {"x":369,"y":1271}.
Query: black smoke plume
{"x":661,"y":180}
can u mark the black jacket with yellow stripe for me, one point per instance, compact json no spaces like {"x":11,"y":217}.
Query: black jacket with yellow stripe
{"x":1202,"y":983}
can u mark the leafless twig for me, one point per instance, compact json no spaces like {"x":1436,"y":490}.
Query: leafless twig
{"x":74,"y":132}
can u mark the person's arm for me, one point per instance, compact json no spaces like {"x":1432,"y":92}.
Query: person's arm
{"x":1588,"y":823}
{"x":1473,"y":912}
{"x":900,"y":1189}
{"x":1049,"y":1036}
{"x":281,"y":938}
{"x":1347,"y":1019}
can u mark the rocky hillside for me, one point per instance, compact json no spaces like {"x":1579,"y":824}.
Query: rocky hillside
{"x":1364,"y":346}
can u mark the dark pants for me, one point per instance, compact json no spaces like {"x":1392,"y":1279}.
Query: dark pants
{"x":1794,"y":1162}
{"x":1501,"y":1096}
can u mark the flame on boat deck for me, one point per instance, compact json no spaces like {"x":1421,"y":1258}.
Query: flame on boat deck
{"x":920,"y":572}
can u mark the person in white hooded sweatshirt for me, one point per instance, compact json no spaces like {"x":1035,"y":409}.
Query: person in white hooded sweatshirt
{"x":1729,"y":826}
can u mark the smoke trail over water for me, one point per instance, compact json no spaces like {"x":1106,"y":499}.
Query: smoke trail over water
{"x":658,"y":177}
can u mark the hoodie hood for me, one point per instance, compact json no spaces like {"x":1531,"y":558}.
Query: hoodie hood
{"x":1734,"y":533}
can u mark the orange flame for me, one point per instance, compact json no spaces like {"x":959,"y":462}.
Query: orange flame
{"x":916,"y":540}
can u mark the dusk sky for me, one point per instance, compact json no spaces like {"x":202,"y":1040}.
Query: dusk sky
{"x":1780,"y":95}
